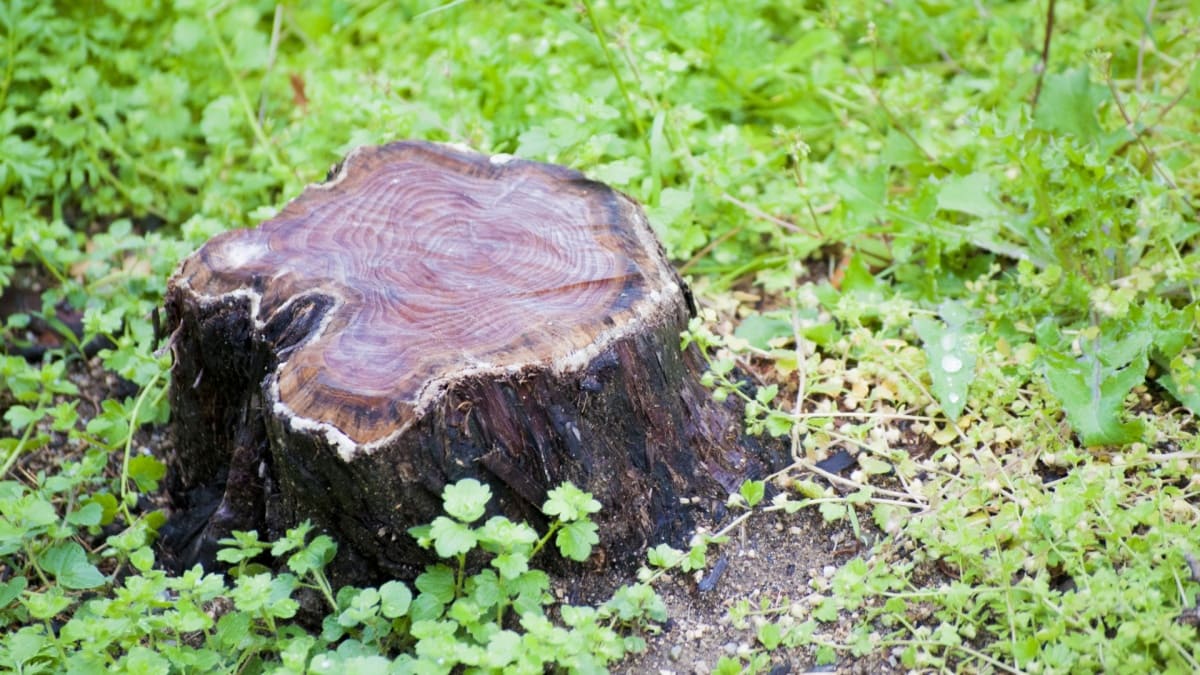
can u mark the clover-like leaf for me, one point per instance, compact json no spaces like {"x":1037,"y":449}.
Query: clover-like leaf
{"x":576,"y":539}
{"x":466,"y":500}
{"x":568,"y":503}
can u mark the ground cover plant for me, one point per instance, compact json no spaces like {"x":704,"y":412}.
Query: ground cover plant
{"x":952,"y":245}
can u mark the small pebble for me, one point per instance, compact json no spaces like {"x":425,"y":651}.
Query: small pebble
{"x":675,"y":652}
{"x":700,"y":668}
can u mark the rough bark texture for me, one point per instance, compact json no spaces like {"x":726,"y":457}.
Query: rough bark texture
{"x":430,"y":314}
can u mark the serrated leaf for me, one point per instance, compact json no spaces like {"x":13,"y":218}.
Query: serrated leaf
{"x":19,"y":417}
{"x":146,"y":471}
{"x":438,"y":582}
{"x":394,"y":599}
{"x":451,"y":538}
{"x":576,"y":539}
{"x":511,"y":565}
{"x":568,"y":503}
{"x":770,"y":635}
{"x":1093,"y":395}
{"x":752,"y":491}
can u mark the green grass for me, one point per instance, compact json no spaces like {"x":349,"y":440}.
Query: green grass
{"x":990,"y":300}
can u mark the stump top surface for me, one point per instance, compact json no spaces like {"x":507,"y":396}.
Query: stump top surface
{"x":435,"y":263}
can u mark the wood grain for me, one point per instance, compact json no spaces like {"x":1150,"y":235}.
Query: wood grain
{"x":431,"y":263}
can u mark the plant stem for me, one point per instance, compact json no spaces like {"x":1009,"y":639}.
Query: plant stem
{"x":612,"y":66}
{"x":133,"y":426}
{"x":20,"y":447}
{"x":243,"y":98}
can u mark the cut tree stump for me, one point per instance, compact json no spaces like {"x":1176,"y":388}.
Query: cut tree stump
{"x":430,"y":314}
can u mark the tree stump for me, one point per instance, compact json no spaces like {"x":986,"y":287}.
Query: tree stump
{"x":430,"y":314}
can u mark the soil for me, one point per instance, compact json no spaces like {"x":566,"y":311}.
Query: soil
{"x":773,"y":558}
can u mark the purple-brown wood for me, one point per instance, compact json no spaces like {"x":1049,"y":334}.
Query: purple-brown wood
{"x":429,"y":314}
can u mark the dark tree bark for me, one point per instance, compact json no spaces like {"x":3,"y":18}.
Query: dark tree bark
{"x":430,"y":314}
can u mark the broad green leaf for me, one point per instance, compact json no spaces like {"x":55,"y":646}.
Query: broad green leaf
{"x":949,"y":356}
{"x":68,"y":562}
{"x":143,"y":661}
{"x":858,"y":277}
{"x":1068,"y":103}
{"x":511,"y":565}
{"x":25,"y":644}
{"x":770,"y":635}
{"x":86,"y":515}
{"x":47,"y":604}
{"x":760,"y":330}
{"x":503,"y":648}
{"x":974,"y":194}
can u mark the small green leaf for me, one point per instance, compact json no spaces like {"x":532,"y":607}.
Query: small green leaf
{"x":19,"y":417}
{"x":511,"y":565}
{"x":143,"y":661}
{"x":86,"y":515}
{"x":568,"y":503}
{"x":47,"y":604}
{"x":873,"y":465}
{"x":146,"y":471}
{"x":466,"y":500}
{"x":24,"y":645}
{"x":108,"y":505}
{"x":10,"y":589}
{"x":503,"y":647}
{"x":437,"y":581}
{"x":769,"y":635}
{"x":576,"y":539}
{"x":394,"y":599}
{"x":753,"y":491}
{"x":314,"y":556}
{"x":142,"y":559}
{"x":451,"y":538}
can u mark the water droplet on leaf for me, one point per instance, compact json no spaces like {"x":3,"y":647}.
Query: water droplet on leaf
{"x":951,"y":364}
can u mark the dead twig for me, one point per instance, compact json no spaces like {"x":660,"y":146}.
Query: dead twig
{"x":1045,"y":59}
